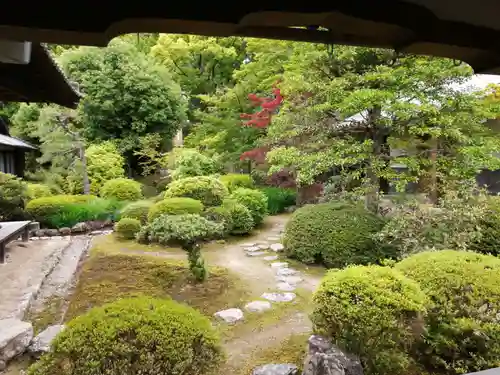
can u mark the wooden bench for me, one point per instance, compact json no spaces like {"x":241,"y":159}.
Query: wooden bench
{"x":10,"y":231}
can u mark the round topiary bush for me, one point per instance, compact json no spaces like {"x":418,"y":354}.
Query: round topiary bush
{"x":137,"y":210}
{"x":234,"y":181}
{"x":254,"y":200}
{"x":127,"y":228}
{"x":463,"y":326}
{"x":374,"y":312}
{"x":122,"y":189}
{"x":221,"y":215}
{"x":334,"y":234}
{"x":34,"y":191}
{"x":208,"y":190}
{"x":175,"y":206}
{"x":241,"y":217}
{"x":134,"y":336}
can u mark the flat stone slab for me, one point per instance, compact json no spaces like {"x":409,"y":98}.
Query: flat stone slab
{"x":279,"y":265}
{"x":285,"y":287}
{"x":15,"y":336}
{"x":290,"y":279}
{"x":277,"y":247}
{"x":279,"y":297}
{"x":270,"y":258}
{"x":41,"y":343}
{"x":230,"y":316}
{"x":256,"y":254}
{"x":273,"y":238}
{"x":252,"y":249}
{"x":258,"y":306}
{"x":286,"y":272}
{"x":263,"y":246}
{"x":284,"y":369}
{"x":248,"y":244}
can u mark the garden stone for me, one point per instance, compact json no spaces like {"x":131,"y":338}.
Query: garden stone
{"x":286,"y":272}
{"x":263,"y":246}
{"x":290,"y":279}
{"x":230,"y":315}
{"x":277,"y":247}
{"x":40,"y":233}
{"x":252,"y":248}
{"x":279,"y":265}
{"x":41,"y":343}
{"x":80,"y":228}
{"x":284,"y":369}
{"x":291,"y":209}
{"x":51,"y":232}
{"x":248,"y":244}
{"x":15,"y":336}
{"x":96,"y":232}
{"x":279,"y":297}
{"x":273,"y":238}
{"x":324,"y":358}
{"x":258,"y":306}
{"x":285,"y":287}
{"x":65,"y":231}
{"x":270,"y":258}
{"x":256,"y":254}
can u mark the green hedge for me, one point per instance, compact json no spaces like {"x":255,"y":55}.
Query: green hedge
{"x":254,"y":200}
{"x":208,"y":190}
{"x":127,"y":228}
{"x":175,"y":206}
{"x":34,"y":191}
{"x":278,"y":199}
{"x":122,"y":189}
{"x":462,"y":331}
{"x":334,"y":234}
{"x":373,"y":312}
{"x":241,"y":217}
{"x":234,"y":181}
{"x":137,"y":210}
{"x":134,"y":336}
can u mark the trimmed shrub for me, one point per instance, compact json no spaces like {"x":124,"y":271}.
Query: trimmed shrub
{"x":489,"y":242}
{"x":335,"y":234}
{"x":254,"y":200}
{"x":278,"y":199}
{"x":134,"y":336}
{"x":122,"y":189}
{"x":190,"y":163}
{"x":234,"y":181}
{"x":42,"y":209}
{"x":175,"y":206}
{"x":12,"y":193}
{"x":374,"y":312}
{"x":127,"y":228}
{"x":463,"y":328}
{"x":137,"y":210}
{"x":221,"y":215}
{"x":241,"y":217}
{"x":208,"y":190}
{"x":34,"y":191}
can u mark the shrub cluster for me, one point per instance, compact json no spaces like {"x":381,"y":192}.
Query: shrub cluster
{"x":208,"y":190}
{"x":278,"y":199}
{"x":34,"y":191}
{"x":254,"y":200}
{"x":12,"y":195}
{"x":234,"y":181}
{"x":175,"y":206}
{"x":122,"y":189}
{"x":137,"y":210}
{"x":127,"y":228}
{"x":190,"y":163}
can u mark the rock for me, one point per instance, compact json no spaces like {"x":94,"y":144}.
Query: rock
{"x":15,"y":336}
{"x":285,"y":287}
{"x":291,"y":209}
{"x":34,"y":226}
{"x":258,"y":306}
{"x":80,"y":228}
{"x":279,"y":297}
{"x":277,"y":247}
{"x":248,"y":244}
{"x":270,"y":258}
{"x":273,"y":238}
{"x":285,"y":369}
{"x":256,"y":254}
{"x":96,"y":224}
{"x":41,"y":343}
{"x":263,"y":246}
{"x":324,"y":358}
{"x":252,"y":248}
{"x":286,"y":272}
{"x":51,"y":232}
{"x":40,"y":233}
{"x":65,"y":231}
{"x":96,"y":233}
{"x":279,"y":265}
{"x":108,"y":223}
{"x":230,"y":315}
{"x":290,"y":279}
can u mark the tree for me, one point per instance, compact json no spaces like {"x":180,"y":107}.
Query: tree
{"x":126,"y":95}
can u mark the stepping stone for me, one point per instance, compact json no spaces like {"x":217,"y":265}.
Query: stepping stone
{"x":248,"y":244}
{"x":258,"y":306}
{"x":41,"y":343}
{"x":285,"y":287}
{"x":277,"y":247}
{"x":252,"y":249}
{"x":279,"y":297}
{"x":272,"y":369}
{"x":256,"y":254}
{"x":273,"y":238}
{"x":293,"y":280}
{"x":15,"y":336}
{"x":270,"y":258}
{"x":263,"y":246}
{"x":230,"y":316}
{"x":286,"y":272}
{"x":279,"y":265}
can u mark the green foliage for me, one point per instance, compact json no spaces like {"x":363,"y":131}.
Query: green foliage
{"x":254,"y":200}
{"x":134,"y":336}
{"x":127,"y":228}
{"x":175,"y":206}
{"x":191,"y":163}
{"x":489,"y":225}
{"x":221,"y":215}
{"x":374,"y":312}
{"x":12,"y":193}
{"x":137,"y":210}
{"x":240,"y":217}
{"x":335,"y":234}
{"x":104,"y":163}
{"x":462,"y":330}
{"x":122,"y":189}
{"x":34,"y":191}
{"x":234,"y":181}
{"x":278,"y":199}
{"x":208,"y":190}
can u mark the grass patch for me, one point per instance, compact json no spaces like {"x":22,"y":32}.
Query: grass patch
{"x":292,"y":350}
{"x":50,"y":315}
{"x":109,"y":275}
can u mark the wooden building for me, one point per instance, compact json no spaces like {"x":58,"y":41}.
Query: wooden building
{"x":12,"y":151}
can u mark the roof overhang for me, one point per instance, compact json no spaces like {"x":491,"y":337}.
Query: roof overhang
{"x":464,"y":29}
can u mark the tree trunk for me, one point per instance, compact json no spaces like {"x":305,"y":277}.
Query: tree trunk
{"x":85,"y":175}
